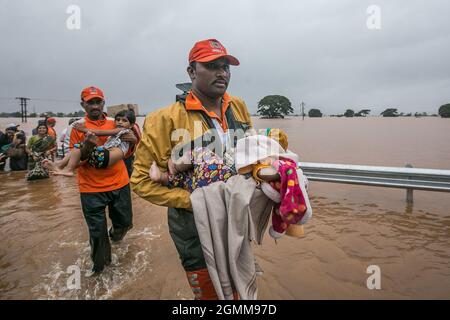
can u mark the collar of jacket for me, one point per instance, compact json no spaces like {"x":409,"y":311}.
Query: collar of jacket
{"x":192,"y":103}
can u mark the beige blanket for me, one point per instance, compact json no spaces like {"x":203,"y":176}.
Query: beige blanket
{"x":228,"y":216}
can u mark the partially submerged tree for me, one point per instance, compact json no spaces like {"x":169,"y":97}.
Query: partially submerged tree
{"x":314,"y":113}
{"x":274,"y":106}
{"x":444,"y":111}
{"x":349,"y":113}
{"x":362,"y":113}
{"x":390,"y":112}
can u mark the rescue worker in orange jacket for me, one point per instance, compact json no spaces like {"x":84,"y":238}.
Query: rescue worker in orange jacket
{"x":206,"y":108}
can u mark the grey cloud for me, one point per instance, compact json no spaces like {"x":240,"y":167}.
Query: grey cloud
{"x":320,"y":52}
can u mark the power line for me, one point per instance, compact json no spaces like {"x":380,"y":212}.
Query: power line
{"x":24,"y":101}
{"x":54,"y":100}
{"x":43,"y":99}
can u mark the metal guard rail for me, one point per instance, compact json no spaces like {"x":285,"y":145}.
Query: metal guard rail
{"x":391,"y":177}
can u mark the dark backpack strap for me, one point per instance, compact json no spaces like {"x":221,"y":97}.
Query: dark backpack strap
{"x":239,"y":127}
{"x":231,"y":121}
{"x":207,"y":119}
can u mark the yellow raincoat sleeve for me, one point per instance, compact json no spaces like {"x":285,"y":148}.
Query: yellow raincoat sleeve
{"x":156,"y":146}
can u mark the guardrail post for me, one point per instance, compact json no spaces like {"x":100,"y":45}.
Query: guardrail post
{"x":409,"y":192}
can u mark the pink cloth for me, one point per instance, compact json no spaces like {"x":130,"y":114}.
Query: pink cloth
{"x":293,"y":205}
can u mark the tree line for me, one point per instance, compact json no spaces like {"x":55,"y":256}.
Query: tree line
{"x":277,"y":106}
{"x":273,"y":106}
{"x":75,"y":114}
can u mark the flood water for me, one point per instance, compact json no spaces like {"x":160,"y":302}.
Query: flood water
{"x":43,"y":233}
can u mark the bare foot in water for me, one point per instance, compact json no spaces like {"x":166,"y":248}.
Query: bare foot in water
{"x":55,"y":170}
{"x":156,"y":175}
{"x":52,"y":167}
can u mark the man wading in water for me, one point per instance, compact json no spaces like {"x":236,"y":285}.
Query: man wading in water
{"x":207,"y":106}
{"x":102,"y":187}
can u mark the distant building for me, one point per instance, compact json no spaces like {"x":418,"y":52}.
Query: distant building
{"x":113,"y":110}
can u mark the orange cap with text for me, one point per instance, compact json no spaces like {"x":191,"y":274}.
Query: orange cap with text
{"x":90,"y":93}
{"x":209,"y":50}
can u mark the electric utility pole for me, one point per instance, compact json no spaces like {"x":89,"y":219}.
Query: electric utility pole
{"x":23,"y":107}
{"x":303,"y":110}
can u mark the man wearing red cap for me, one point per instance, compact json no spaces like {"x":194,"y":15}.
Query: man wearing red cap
{"x":51,"y":122}
{"x":103,"y":187}
{"x":206,"y":106}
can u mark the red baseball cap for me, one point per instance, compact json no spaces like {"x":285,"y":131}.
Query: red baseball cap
{"x":90,"y":93}
{"x":209,"y":50}
{"x":51,"y":120}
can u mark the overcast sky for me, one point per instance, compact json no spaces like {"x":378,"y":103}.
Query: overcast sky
{"x":321,"y":52}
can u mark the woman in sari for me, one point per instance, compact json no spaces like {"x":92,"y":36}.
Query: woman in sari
{"x":39,"y":147}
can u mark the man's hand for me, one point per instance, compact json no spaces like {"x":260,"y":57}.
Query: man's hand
{"x":90,"y":142}
{"x":129,"y":137}
{"x":80,"y":127}
{"x":91,"y":138}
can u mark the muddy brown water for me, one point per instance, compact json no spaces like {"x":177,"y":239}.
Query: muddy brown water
{"x":43,"y":233}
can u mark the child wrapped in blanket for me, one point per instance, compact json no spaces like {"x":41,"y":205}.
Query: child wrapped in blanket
{"x":195,"y":169}
{"x":277,"y":175}
{"x":113,"y":151}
